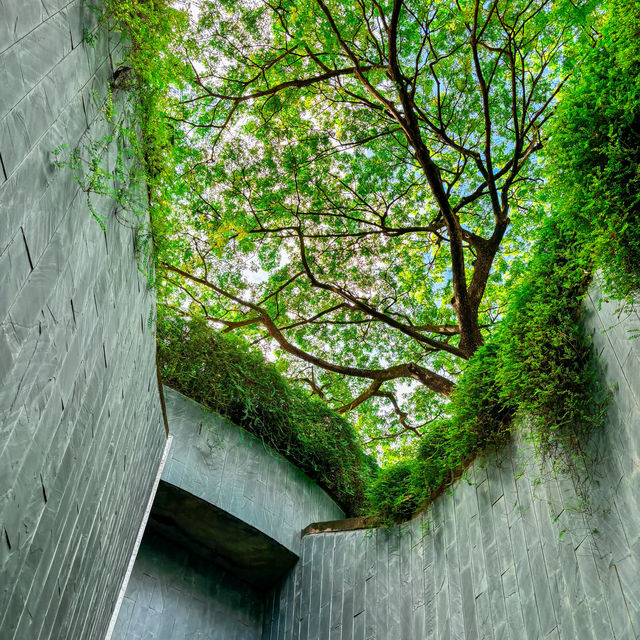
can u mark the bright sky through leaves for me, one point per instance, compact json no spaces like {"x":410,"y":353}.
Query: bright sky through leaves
{"x":362,"y":183}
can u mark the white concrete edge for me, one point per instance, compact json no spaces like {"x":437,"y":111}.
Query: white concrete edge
{"x":136,"y":546}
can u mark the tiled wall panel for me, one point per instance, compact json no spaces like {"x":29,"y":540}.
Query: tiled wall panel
{"x":81,"y":431}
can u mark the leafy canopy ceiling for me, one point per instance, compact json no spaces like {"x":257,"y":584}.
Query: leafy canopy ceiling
{"x":360,"y":183}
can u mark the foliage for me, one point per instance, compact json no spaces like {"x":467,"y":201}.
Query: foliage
{"x":595,"y":146}
{"x":547,"y":369}
{"x":397,"y":493}
{"x":478,"y":420}
{"x":364,"y":185}
{"x":312,"y":185}
{"x":135,"y":162}
{"x":224,"y":374}
{"x":538,"y":363}
{"x":594,"y":194}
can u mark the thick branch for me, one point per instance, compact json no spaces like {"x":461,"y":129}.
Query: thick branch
{"x":470,"y":336}
{"x":289,"y":84}
{"x":371,"y":311}
{"x":432,"y":380}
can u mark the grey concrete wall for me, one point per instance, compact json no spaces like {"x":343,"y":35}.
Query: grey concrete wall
{"x":510,"y":554}
{"x":228,"y":467}
{"x":81,"y":433}
{"x":178,"y":587}
{"x":173,"y":595}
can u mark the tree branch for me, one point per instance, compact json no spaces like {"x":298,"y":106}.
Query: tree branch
{"x":432,"y":380}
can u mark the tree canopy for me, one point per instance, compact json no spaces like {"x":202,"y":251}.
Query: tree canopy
{"x":361,"y":184}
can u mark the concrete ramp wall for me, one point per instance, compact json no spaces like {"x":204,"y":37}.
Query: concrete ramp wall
{"x":81,"y":431}
{"x":232,"y":469}
{"x":509,"y":554}
{"x":224,"y":530}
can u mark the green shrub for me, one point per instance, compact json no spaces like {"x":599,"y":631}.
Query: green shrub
{"x":594,"y":151}
{"x":396,"y":493}
{"x":547,"y":369}
{"x":478,"y":420}
{"x":224,"y":374}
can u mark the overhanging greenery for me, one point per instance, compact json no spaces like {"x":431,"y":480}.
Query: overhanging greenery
{"x":224,"y":374}
{"x":536,"y":359}
{"x":539,"y":362}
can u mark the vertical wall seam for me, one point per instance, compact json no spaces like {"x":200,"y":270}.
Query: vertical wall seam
{"x":4,"y":170}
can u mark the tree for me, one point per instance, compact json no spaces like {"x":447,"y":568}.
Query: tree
{"x":364,"y":182}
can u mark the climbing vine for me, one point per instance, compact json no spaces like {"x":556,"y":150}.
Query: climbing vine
{"x":135,"y":163}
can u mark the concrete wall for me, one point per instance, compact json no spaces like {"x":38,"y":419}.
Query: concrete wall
{"x":510,"y":553}
{"x":172,"y":595}
{"x":228,"y":467}
{"x":81,"y":433}
{"x":225,"y":500}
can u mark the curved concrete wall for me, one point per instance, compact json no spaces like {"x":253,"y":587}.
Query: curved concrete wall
{"x":227,"y":521}
{"x":510,"y":554}
{"x":228,"y":467}
{"x":81,"y":433}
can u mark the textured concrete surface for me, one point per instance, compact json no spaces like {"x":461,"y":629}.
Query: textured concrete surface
{"x":174,"y":595}
{"x":227,"y":508}
{"x":511,"y":553}
{"x":80,"y":426}
{"x":233,"y":470}
{"x":218,"y":537}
